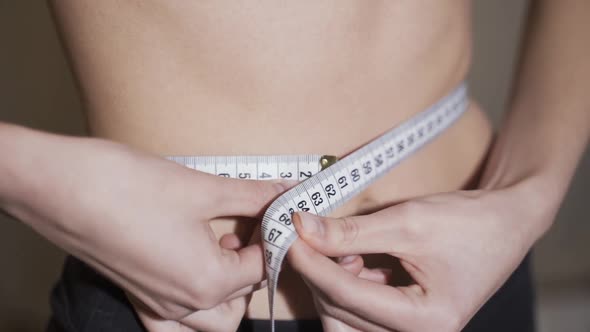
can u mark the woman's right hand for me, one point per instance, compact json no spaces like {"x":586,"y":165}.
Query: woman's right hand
{"x":142,"y":221}
{"x":224,"y":317}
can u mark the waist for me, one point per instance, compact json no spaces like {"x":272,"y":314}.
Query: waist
{"x":450,"y":162}
{"x":447,"y":163}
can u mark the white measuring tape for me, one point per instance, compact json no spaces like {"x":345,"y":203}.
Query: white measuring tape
{"x":328,"y":183}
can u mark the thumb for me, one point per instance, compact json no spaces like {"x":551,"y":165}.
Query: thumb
{"x":247,"y":198}
{"x":371,"y":234}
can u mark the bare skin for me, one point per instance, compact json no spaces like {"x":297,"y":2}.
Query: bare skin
{"x":163,"y":77}
{"x":445,"y":239}
{"x":278,"y":78}
{"x":179,"y":77}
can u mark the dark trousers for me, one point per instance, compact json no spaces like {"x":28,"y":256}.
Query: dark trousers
{"x":85,"y":301}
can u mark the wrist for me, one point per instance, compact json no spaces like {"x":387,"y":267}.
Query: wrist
{"x":533,"y":182}
{"x":12,"y":182}
{"x":533,"y":202}
{"x":25,"y":176}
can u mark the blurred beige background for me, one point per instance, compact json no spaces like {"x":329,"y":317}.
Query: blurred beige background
{"x":37,"y":90}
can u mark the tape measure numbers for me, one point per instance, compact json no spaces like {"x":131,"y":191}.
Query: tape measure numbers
{"x":327,"y":182}
{"x":295,"y":167}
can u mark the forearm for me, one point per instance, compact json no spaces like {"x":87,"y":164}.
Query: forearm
{"x":19,"y":147}
{"x":548,"y":125}
{"x":36,"y":185}
{"x":26,"y":169}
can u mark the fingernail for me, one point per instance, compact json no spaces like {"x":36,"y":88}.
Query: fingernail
{"x":310,"y":223}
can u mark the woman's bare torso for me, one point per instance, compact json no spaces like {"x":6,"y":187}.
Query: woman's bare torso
{"x":278,"y":77}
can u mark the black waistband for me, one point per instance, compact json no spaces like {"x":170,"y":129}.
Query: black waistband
{"x":83,"y":300}
{"x":263,"y":325}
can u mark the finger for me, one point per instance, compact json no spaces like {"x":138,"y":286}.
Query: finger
{"x":224,"y":317}
{"x":335,"y":319}
{"x":246,"y":198}
{"x":245,"y":267}
{"x":348,"y":259}
{"x":152,"y":322}
{"x":382,"y":304}
{"x":331,"y":324}
{"x":157,"y":324}
{"x":230,"y":241}
{"x":374,"y":233}
{"x":343,"y":321}
{"x":331,"y":316}
{"x":247,"y":290}
{"x":353,"y":264}
{"x":233,"y":242}
{"x":379,"y":275}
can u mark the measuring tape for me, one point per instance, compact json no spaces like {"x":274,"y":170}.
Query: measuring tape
{"x":328,"y":182}
{"x":295,"y":167}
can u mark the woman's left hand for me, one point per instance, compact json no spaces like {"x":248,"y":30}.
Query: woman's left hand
{"x":459,"y":248}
